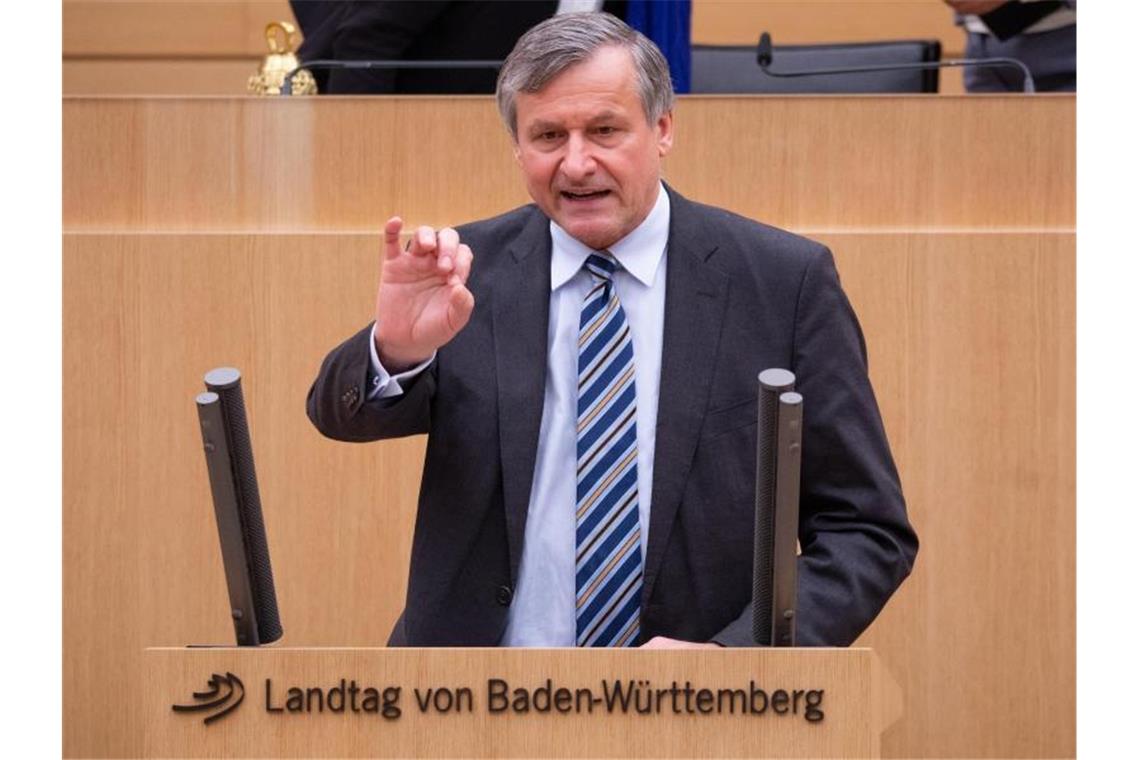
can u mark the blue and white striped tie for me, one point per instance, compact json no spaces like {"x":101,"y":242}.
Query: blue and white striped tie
{"x":608,"y":559}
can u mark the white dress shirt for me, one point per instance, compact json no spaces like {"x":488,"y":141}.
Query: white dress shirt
{"x":542,"y":610}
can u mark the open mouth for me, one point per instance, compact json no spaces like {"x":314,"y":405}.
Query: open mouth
{"x":587,"y":195}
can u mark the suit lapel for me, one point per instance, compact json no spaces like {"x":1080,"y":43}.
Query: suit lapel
{"x":521,"y":315}
{"x":695,"y":302}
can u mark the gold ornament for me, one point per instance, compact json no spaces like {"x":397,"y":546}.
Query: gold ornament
{"x":281,"y":37}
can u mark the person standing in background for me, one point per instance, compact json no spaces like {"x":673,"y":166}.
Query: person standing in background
{"x":441,"y":30}
{"x":427,"y":30}
{"x":1042,"y":34}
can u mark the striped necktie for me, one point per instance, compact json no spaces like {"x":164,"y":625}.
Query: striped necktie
{"x":608,"y":532}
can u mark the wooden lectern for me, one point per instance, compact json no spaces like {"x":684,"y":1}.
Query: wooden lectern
{"x":355,"y":702}
{"x":201,"y":232}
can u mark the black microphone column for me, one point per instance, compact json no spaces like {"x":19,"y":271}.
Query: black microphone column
{"x":778,"y":445}
{"x":237,"y":506}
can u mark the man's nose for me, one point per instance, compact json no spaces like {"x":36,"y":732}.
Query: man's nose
{"x":579,"y":160}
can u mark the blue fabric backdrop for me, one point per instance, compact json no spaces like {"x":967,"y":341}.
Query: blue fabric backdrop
{"x":666,"y":22}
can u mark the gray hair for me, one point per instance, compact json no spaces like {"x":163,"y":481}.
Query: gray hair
{"x":561,"y":41}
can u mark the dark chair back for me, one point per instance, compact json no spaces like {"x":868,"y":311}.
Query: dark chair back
{"x":733,"y":68}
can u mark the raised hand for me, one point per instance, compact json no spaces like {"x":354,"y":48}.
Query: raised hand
{"x":423,"y":301}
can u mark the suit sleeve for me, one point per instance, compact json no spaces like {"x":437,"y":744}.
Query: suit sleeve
{"x":338,"y":405}
{"x":856,"y":543}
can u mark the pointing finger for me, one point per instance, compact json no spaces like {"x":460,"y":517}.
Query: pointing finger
{"x":392,"y":237}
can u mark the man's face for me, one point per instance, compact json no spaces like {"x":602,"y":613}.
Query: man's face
{"x":591,"y":160}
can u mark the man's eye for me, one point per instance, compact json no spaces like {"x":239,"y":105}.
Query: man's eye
{"x":605,"y":131}
{"x":548,"y":136}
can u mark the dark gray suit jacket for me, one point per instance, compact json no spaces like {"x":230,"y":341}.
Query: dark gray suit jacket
{"x":739,"y":297}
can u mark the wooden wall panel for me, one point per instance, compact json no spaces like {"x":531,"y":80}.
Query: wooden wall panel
{"x":971,"y":343}
{"x":972,"y":350}
{"x":799,"y":22}
{"x":345,"y":163}
{"x":103,"y":507}
{"x":169,"y":28}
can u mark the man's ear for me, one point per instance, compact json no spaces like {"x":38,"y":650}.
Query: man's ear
{"x":665,"y":134}
{"x":516,"y":150}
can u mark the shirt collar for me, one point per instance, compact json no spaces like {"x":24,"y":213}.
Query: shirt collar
{"x":638,"y":253}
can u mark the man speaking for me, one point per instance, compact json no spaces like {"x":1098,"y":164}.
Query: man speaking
{"x":585,"y":369}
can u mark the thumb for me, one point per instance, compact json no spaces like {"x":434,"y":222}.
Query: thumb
{"x":460,"y":304}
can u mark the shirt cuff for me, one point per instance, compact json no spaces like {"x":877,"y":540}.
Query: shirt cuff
{"x":383,"y":385}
